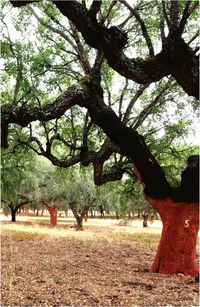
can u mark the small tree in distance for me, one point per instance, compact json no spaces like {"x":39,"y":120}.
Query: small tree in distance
{"x":19,"y":180}
{"x":80,"y":195}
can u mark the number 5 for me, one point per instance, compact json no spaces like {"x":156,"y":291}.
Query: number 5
{"x":187,"y":224}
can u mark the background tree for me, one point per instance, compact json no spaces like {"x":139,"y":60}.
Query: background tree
{"x":80,"y":194}
{"x":19,"y":180}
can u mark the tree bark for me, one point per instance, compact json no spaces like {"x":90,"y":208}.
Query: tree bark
{"x":26,"y":211}
{"x":53,"y":215}
{"x":13,"y":214}
{"x":14,"y":209}
{"x":86,"y":217}
{"x":42,"y":212}
{"x":79,"y":221}
{"x":117,"y":215}
{"x":177,"y":248}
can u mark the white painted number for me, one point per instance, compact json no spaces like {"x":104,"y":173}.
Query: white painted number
{"x":187,"y":224}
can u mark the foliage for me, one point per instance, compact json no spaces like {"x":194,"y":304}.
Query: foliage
{"x":19,"y":176}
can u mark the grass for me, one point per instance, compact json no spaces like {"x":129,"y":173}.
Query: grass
{"x":34,"y":228}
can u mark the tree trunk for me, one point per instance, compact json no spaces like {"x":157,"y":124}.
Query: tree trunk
{"x":42,"y":211}
{"x":66,"y":212}
{"x":53,"y":215}
{"x":117,"y":215}
{"x":129,"y":216}
{"x":145,"y":224}
{"x":86,"y":217}
{"x":79,"y":221}
{"x":26,"y":211}
{"x":177,"y":248}
{"x":13,"y":214}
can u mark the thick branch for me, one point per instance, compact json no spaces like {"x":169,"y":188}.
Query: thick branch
{"x":184,"y":16}
{"x":174,"y":16}
{"x":131,"y":145}
{"x":111,"y":41}
{"x":114,"y":174}
{"x":104,"y":154}
{"x":23,"y":116}
{"x":95,"y":8}
{"x":19,"y":3}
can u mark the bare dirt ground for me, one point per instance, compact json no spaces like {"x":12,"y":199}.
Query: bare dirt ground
{"x":42,"y":270}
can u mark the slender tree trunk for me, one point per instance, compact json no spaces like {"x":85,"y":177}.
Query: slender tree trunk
{"x":66,"y":212}
{"x":117,"y":215}
{"x":53,"y":215}
{"x":26,"y":211}
{"x":13,"y":214}
{"x":37,"y":212}
{"x":86,"y":217}
{"x":177,"y":248}
{"x":79,"y":221}
{"x":42,"y":211}
{"x":145,"y":224}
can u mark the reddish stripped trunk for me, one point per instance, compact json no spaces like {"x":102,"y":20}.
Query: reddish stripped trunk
{"x":27,"y":211}
{"x":177,"y":248}
{"x":53,"y":215}
{"x":86,"y":217}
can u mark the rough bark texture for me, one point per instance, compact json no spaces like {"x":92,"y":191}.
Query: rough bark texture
{"x":177,"y":248}
{"x":133,"y":145}
{"x":150,"y":170}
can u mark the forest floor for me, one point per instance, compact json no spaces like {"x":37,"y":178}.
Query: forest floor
{"x":100,"y":266}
